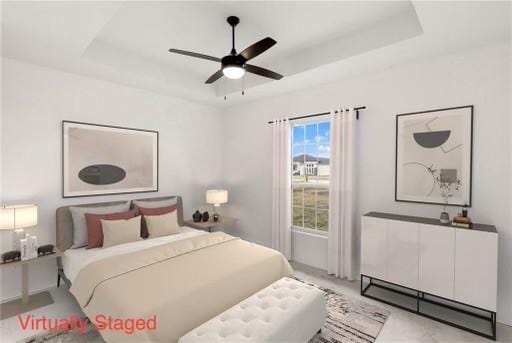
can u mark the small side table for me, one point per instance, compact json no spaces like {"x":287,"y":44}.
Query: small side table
{"x":27,"y":303}
{"x":210,"y":224}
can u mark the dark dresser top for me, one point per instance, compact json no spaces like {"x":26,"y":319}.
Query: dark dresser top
{"x":430,"y":221}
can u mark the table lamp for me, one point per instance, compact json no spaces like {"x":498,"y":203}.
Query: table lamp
{"x":216,"y":197}
{"x":18,"y":218}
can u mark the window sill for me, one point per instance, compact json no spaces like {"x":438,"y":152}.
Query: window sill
{"x":310,"y":232}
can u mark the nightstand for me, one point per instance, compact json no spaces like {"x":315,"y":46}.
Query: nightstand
{"x":210,"y":224}
{"x":26,"y":303}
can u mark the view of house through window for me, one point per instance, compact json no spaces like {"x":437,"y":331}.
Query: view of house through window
{"x":310,"y":175}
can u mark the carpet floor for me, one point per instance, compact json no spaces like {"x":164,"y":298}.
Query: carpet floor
{"x":348,"y":320}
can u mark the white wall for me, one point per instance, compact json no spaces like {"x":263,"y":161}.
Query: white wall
{"x":37,"y":99}
{"x":479,"y":77}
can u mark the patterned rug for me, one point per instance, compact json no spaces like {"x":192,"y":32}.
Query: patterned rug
{"x":348,"y":320}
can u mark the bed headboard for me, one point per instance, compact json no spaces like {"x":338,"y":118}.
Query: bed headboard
{"x":64,"y":222}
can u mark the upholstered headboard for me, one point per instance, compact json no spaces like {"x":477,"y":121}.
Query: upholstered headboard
{"x":65,"y":222}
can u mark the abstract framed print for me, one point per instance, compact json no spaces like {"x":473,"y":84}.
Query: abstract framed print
{"x":434,"y":156}
{"x":102,"y":159}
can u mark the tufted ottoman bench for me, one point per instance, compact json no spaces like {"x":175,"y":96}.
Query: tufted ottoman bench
{"x":285,"y":311}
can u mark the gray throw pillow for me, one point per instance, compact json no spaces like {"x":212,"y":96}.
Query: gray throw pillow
{"x":154,"y":203}
{"x":80,"y":226}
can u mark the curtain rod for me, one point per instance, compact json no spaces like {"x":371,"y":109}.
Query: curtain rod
{"x":357,"y":109}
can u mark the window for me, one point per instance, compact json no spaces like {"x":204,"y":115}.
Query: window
{"x":310,"y":176}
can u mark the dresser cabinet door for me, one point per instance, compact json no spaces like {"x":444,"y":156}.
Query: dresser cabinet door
{"x":476,"y":268}
{"x":374,"y":234}
{"x":436,"y":260}
{"x":403,"y":253}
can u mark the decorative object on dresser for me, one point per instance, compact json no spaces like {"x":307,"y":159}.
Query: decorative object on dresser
{"x":102,"y":159}
{"x":462,"y":219}
{"x":46,"y":249}
{"x":209,"y":225}
{"x":11,"y":256}
{"x":28,"y":247}
{"x":431,"y":266}
{"x":434,"y":156}
{"x":444,"y":218}
{"x":197,"y":216}
{"x":26,"y":303}
{"x":205,"y":216}
{"x":17,"y":218}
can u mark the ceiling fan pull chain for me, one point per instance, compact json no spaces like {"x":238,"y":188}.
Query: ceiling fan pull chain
{"x":243,"y":85}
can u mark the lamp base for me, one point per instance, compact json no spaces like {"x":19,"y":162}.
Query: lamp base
{"x":16,"y":236}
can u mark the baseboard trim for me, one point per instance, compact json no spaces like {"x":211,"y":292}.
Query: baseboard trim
{"x":31,"y":292}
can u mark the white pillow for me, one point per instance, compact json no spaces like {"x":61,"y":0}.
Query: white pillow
{"x":79,"y":224}
{"x":155,"y":203}
{"x":162,"y":225}
{"x":120,"y":231}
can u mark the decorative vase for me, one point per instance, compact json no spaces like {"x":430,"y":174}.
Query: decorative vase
{"x":206,"y":216}
{"x":465,"y":211}
{"x":197,"y":216}
{"x":444,"y":218}
{"x":216,"y":217}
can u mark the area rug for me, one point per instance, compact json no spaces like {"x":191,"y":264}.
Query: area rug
{"x":348,"y":320}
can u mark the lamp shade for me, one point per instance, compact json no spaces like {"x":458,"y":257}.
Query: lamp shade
{"x":216,"y":196}
{"x":18,"y":217}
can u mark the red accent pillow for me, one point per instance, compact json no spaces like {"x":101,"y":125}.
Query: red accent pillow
{"x":152,"y":212}
{"x":94,"y":229}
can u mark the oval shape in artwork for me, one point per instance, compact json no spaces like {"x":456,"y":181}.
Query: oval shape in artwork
{"x":102,"y":174}
{"x":431,"y":139}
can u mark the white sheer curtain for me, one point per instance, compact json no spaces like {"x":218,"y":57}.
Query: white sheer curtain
{"x":281,"y":187}
{"x":340,"y":259}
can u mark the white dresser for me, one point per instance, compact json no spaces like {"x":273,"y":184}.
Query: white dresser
{"x":425,"y":256}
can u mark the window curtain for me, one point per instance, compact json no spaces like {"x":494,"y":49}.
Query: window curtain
{"x":340,"y":259}
{"x":281,"y":186}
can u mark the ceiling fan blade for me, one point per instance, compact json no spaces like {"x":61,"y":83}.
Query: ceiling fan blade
{"x":257,"y":48}
{"x":218,"y":74}
{"x":195,"y":54}
{"x":263,"y":72}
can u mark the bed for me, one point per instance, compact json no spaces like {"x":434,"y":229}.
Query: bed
{"x":181,"y":280}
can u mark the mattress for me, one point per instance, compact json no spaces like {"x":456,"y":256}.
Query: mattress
{"x":74,"y":260}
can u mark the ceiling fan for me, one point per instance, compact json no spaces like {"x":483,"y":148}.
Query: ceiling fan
{"x":234,"y":65}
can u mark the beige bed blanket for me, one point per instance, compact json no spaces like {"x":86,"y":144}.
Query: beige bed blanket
{"x":183,"y":284}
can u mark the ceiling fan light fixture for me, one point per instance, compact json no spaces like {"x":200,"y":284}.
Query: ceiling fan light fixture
{"x":233,"y":72}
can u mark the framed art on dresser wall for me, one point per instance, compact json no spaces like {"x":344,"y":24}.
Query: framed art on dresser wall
{"x":434,"y":156}
{"x":102,"y":159}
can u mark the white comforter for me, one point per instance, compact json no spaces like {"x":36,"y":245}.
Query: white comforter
{"x":74,"y":260}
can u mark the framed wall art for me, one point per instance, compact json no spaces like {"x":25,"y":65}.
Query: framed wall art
{"x":102,"y":159}
{"x":434,"y":156}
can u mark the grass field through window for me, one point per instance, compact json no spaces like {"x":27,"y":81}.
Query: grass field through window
{"x":311,"y":207}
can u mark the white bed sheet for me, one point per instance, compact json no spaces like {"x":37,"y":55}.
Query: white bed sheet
{"x":73,"y":260}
